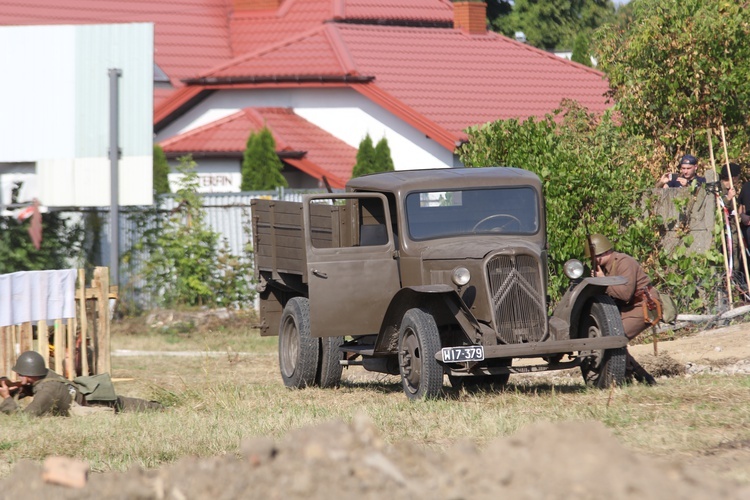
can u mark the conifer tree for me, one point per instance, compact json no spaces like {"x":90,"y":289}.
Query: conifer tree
{"x":261,"y":167}
{"x":365,"y":158}
{"x":383,"y":160}
{"x":161,"y":171}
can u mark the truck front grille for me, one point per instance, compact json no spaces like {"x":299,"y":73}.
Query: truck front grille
{"x":518,"y":298}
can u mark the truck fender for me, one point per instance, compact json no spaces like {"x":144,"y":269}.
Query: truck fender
{"x":569,"y":309}
{"x":441,"y":301}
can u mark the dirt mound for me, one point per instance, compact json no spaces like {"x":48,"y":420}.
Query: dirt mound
{"x":662,"y":365}
{"x":579,"y":460}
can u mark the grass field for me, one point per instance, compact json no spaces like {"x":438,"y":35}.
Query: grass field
{"x":232,"y":390}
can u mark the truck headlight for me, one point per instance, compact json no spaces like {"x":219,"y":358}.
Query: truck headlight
{"x":461,"y":276}
{"x":573,"y":269}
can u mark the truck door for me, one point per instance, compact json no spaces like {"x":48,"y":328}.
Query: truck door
{"x":352,"y":269}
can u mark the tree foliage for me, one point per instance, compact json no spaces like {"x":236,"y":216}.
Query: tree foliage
{"x":60,"y":249}
{"x":554,"y":24}
{"x":365,"y":158}
{"x":587,"y":168}
{"x":184,"y":266}
{"x":383,"y":160}
{"x":581,"y":51}
{"x":161,"y":171}
{"x":261,"y":167}
{"x":371,"y":160}
{"x":680,"y":67}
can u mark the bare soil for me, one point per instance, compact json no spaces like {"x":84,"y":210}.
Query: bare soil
{"x":581,"y":460}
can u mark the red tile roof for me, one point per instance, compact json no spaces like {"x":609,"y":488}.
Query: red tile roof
{"x":324,"y":155}
{"x":192,"y":36}
{"x":440,"y":80}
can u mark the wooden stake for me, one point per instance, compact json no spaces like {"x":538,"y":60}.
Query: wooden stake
{"x":721,"y":224}
{"x":734,"y":207}
{"x":70,"y":349}
{"x":83,"y":320}
{"x":42,"y":340}
{"x":59,"y":345}
{"x":6,"y":349}
{"x":26,"y":337}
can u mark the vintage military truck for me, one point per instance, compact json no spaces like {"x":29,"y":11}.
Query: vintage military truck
{"x":425,"y":273}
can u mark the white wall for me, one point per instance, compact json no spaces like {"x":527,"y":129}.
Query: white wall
{"x":54,"y":110}
{"x":342,"y":112}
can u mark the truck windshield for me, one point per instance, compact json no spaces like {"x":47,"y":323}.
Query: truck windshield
{"x":505,"y":210}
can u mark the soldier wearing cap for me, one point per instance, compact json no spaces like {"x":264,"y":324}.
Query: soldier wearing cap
{"x":54,"y":394}
{"x":629,"y":296}
{"x":687,"y":176}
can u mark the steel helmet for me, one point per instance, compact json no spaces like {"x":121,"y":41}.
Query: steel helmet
{"x":600,"y":242}
{"x":30,"y":364}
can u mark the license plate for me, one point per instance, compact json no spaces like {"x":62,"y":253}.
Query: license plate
{"x":463,"y":353}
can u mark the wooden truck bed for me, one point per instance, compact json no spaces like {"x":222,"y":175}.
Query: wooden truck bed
{"x":278,"y":236}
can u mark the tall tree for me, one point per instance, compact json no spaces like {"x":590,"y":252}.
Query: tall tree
{"x":261,"y":167}
{"x":161,"y":171}
{"x":383,"y":160}
{"x":581,"y":52}
{"x":681,"y":67}
{"x":365,"y":158}
{"x":554,"y":24}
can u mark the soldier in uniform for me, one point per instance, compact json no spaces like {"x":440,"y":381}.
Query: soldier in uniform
{"x":629,"y":296}
{"x":54,"y":394}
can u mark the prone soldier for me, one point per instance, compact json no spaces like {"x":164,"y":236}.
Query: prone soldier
{"x":54,"y":394}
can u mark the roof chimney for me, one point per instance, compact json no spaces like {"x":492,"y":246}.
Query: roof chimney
{"x":251,"y":5}
{"x":470,"y":17}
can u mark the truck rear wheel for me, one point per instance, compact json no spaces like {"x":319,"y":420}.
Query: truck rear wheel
{"x":329,"y":366}
{"x":298,"y":351}
{"x":603,"y":367}
{"x":418,"y":342}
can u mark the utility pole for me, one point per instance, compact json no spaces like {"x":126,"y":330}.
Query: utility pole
{"x":114,"y":157}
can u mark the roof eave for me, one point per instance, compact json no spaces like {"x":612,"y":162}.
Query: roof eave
{"x":235,"y":80}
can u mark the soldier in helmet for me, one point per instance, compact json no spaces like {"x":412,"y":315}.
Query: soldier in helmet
{"x":54,"y":394}
{"x":629,"y":296}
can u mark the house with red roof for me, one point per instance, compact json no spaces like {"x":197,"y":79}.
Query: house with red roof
{"x":321,"y":74}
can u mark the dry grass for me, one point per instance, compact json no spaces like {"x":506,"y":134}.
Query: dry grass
{"x":233,"y":391}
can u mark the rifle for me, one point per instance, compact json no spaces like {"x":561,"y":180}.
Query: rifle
{"x":10,"y":384}
{"x":592,"y":251}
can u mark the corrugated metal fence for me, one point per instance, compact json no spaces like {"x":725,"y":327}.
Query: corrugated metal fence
{"x":227,"y":214}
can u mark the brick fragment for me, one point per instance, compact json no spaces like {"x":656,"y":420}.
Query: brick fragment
{"x":65,"y":471}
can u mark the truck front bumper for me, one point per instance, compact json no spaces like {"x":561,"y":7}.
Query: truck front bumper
{"x":545,"y":348}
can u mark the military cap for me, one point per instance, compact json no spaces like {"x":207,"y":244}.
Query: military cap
{"x":689,"y":159}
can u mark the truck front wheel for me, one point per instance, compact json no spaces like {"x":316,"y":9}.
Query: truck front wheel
{"x":298,"y":351}
{"x":418,"y":342}
{"x":605,"y":367}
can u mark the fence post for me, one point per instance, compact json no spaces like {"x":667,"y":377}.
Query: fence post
{"x":103,"y":348}
{"x":83,"y":322}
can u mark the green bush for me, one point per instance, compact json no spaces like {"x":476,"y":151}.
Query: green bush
{"x":183,"y":265}
{"x":589,"y":175}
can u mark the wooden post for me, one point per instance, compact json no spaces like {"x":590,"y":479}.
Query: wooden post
{"x":26,"y":337}
{"x":70,"y":349}
{"x":83,"y":321}
{"x":5,"y":346}
{"x":59,"y":345}
{"x":102,"y":310}
{"x":42,"y":340}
